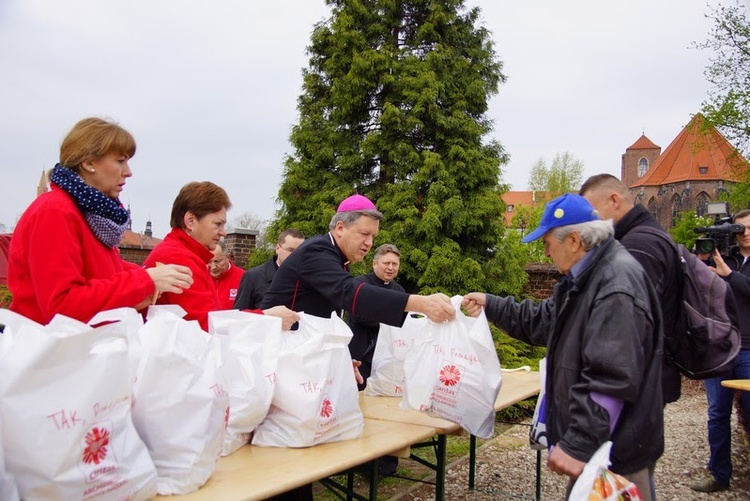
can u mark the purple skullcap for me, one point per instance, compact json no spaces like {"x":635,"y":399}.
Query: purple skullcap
{"x":356,"y":203}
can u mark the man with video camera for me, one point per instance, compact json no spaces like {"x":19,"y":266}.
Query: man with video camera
{"x":734,"y":267}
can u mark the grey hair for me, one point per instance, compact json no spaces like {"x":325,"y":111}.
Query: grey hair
{"x":385,"y":249}
{"x":592,"y":232}
{"x":349,"y":217}
{"x":223,"y":246}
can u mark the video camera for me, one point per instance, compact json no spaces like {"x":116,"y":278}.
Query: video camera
{"x":722,"y":235}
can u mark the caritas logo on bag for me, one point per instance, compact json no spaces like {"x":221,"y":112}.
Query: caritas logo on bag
{"x":327,"y":417}
{"x":445,"y":391}
{"x":97,"y":460}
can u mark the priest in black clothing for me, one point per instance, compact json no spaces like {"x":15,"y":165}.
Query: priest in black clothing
{"x":315,"y":280}
{"x":385,"y":264}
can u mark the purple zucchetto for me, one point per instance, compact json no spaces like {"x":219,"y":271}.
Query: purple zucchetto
{"x":356,"y":203}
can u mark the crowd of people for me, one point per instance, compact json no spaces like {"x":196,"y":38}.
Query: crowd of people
{"x":608,"y":373}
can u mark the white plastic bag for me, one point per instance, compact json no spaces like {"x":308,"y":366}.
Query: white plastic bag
{"x":8,"y":488}
{"x":250,"y":351}
{"x":453,"y":373}
{"x":598,"y":483}
{"x":181,"y":403}
{"x":65,"y":401}
{"x":315,"y":398}
{"x":538,"y":431}
{"x":387,"y":376}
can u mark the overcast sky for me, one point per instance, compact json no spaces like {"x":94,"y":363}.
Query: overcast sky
{"x":209,"y":88}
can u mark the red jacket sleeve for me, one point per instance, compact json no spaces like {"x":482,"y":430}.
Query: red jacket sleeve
{"x":67,"y":270}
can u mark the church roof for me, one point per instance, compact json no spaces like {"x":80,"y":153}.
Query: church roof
{"x":644,"y":143}
{"x":698,"y":153}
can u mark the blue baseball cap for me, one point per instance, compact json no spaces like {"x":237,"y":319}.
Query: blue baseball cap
{"x":562,"y":211}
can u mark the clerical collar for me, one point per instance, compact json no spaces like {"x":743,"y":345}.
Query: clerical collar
{"x":330,"y":235}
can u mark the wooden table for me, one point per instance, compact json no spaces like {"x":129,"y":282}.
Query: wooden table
{"x":255,"y":472}
{"x":737,"y":384}
{"x":516,"y":386}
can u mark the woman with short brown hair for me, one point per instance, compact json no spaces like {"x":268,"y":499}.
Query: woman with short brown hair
{"x":63,"y":254}
{"x":198,"y":219}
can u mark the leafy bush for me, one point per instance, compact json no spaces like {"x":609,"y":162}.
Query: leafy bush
{"x":5,"y":296}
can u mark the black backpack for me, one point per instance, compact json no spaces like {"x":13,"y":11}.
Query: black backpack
{"x":709,"y":338}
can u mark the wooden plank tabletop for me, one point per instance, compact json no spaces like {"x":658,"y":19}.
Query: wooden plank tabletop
{"x":260,"y":472}
{"x":516,"y":386}
{"x":737,"y":384}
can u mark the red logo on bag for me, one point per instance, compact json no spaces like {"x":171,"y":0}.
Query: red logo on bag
{"x":450,"y":375}
{"x":97,"y":441}
{"x":326,"y":409}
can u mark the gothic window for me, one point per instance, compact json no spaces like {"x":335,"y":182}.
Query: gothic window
{"x":642,"y":166}
{"x":675,"y":209}
{"x":701,"y":204}
{"x":652,"y":209}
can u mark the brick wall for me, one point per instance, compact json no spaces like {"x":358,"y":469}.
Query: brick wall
{"x":541,"y":280}
{"x":136,"y":255}
{"x":241,"y":242}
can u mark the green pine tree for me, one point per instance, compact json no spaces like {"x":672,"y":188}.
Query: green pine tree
{"x":394,"y":107}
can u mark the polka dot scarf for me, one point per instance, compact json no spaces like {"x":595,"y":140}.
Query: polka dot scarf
{"x":106,"y":217}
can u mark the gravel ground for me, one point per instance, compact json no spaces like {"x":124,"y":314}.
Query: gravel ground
{"x":506,"y":465}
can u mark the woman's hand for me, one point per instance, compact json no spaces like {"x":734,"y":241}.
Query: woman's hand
{"x":287,"y":316}
{"x":172,"y":278}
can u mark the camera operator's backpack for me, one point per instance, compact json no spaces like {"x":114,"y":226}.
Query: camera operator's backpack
{"x":710,"y":338}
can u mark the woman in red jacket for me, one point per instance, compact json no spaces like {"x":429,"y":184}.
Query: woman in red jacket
{"x":63,"y":254}
{"x":199,"y":216}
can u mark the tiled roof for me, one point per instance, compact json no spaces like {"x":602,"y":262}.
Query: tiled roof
{"x":643,"y":143}
{"x":523,"y":199}
{"x":698,"y":153}
{"x":133,"y":239}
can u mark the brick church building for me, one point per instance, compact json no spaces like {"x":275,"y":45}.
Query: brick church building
{"x":695,"y":169}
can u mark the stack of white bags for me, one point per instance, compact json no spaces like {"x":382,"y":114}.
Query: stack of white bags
{"x":122,"y":409}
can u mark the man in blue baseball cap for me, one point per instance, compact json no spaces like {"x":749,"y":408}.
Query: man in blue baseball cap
{"x":602,"y":329}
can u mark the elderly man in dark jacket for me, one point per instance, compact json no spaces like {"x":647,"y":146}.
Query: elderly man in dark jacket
{"x":612,"y":200}
{"x":602,"y":329}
